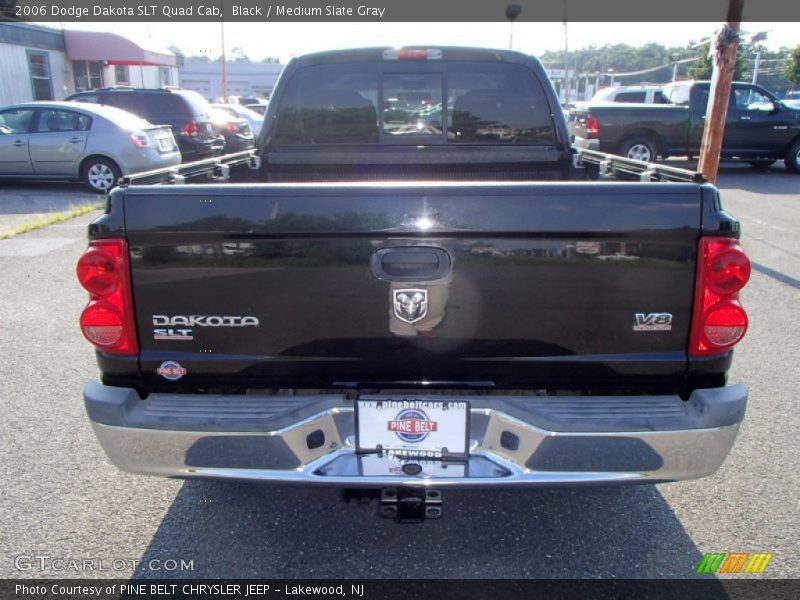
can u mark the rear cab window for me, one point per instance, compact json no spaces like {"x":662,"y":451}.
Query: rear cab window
{"x":630,"y":97}
{"x":414,"y":103}
{"x":660,"y":98}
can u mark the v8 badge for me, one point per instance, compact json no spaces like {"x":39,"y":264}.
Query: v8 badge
{"x":652,"y":322}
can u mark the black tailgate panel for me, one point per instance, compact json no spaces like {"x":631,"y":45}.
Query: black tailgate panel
{"x":542,"y":289}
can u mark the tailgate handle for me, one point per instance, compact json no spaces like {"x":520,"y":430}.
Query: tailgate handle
{"x":411,"y":263}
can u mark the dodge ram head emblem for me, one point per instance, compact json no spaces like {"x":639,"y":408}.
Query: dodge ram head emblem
{"x":410,"y":305}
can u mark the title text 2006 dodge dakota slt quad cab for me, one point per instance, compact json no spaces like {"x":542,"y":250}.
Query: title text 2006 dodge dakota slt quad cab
{"x":443,"y":321}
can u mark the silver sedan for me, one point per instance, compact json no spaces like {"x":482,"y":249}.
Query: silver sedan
{"x":93,"y":143}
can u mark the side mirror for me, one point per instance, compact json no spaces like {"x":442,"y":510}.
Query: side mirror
{"x":776,"y":108}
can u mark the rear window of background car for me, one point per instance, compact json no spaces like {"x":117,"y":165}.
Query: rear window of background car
{"x":458,"y":103}
{"x":156,"y":107}
{"x":199,"y":106}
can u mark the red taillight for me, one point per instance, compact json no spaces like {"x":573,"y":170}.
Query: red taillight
{"x":412,"y":54}
{"x":592,"y":127}
{"x":102,"y":324}
{"x":97,"y":271}
{"x":191,"y":128}
{"x":108,"y":320}
{"x":725,"y":324}
{"x":232,"y":127}
{"x":140,"y":139}
{"x":719,"y":322}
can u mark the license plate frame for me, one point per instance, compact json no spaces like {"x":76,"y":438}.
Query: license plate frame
{"x":371,"y":465}
{"x":426,"y":428}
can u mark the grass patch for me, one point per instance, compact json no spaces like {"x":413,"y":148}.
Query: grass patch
{"x":51,"y":219}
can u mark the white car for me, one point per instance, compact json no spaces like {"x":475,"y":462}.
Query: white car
{"x":238,"y":111}
{"x":638,"y":94}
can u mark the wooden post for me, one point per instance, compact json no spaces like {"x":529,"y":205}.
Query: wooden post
{"x":723,"y":50}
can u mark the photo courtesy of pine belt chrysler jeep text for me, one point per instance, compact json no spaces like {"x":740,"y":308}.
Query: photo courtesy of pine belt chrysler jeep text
{"x":418,"y":289}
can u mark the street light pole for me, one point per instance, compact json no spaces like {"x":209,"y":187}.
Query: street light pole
{"x":512,"y":12}
{"x":224,"y":64}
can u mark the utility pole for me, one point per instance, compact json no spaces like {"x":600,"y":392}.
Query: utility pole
{"x":566,"y":57}
{"x":224,"y":64}
{"x":755,"y":66}
{"x":723,"y":52}
{"x":758,"y":37}
{"x":675,"y":59}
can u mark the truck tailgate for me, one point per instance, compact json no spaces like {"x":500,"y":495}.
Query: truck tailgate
{"x":507,"y":285}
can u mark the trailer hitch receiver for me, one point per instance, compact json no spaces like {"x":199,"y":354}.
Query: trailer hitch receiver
{"x":410,"y":505}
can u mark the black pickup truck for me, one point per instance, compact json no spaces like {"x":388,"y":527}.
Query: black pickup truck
{"x":760,"y":129}
{"x":404,"y":304}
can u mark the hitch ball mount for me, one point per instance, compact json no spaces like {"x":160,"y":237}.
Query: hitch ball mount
{"x":404,"y":504}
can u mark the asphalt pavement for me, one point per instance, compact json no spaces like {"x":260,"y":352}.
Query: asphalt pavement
{"x":25,"y":201}
{"x":61,"y":498}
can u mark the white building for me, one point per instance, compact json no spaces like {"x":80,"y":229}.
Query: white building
{"x":44,"y":63}
{"x":99,"y":59}
{"x":33,"y":64}
{"x":244,"y":79}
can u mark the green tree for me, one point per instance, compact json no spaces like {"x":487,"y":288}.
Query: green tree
{"x":793,"y":68}
{"x":702,"y":68}
{"x":657,"y":62}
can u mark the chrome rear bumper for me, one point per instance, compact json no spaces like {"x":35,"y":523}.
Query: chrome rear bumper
{"x":310,"y":440}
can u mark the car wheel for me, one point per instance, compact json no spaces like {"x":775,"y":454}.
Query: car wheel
{"x":792,"y":159}
{"x":638,"y":148}
{"x":100,"y":174}
{"x":761,"y":164}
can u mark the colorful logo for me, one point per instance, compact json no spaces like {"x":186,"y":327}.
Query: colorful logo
{"x":171,"y":370}
{"x":734,"y":562}
{"x":412,"y":425}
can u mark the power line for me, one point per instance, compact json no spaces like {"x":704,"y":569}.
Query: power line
{"x":643,"y":71}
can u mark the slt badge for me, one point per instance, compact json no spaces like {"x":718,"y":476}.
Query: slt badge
{"x":410,"y":305}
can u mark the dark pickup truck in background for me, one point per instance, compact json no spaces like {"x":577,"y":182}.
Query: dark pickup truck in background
{"x":760,"y":129}
{"x":405,"y":306}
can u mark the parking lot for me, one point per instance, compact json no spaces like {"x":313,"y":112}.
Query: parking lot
{"x":61,"y":497}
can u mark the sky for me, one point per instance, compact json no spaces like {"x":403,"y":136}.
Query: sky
{"x":284,"y":40}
